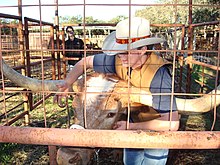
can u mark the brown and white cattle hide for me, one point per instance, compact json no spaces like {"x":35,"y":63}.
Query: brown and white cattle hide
{"x":98,"y":105}
{"x":95,"y":108}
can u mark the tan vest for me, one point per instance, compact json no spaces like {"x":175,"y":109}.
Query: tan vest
{"x":142,"y":77}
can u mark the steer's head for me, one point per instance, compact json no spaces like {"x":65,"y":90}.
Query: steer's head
{"x":95,"y":107}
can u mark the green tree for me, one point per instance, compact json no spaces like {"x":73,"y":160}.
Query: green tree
{"x":165,"y":14}
{"x":92,"y":20}
{"x":117,"y":19}
{"x":207,"y":14}
{"x":70,"y":20}
{"x":179,"y":14}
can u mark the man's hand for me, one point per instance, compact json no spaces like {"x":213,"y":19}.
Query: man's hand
{"x":61,"y":97}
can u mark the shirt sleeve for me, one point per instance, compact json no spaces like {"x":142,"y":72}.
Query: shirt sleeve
{"x":162,"y":83}
{"x":103,"y":63}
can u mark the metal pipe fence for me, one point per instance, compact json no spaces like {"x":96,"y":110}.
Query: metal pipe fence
{"x":193,"y":49}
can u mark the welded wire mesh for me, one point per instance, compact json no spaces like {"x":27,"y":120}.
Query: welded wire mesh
{"x":192,"y":48}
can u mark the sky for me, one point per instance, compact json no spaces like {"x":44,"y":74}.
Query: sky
{"x":106,"y":10}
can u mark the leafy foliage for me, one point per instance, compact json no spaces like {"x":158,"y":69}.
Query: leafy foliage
{"x":206,"y":15}
{"x":117,"y":19}
{"x":172,"y":14}
{"x":78,"y":20}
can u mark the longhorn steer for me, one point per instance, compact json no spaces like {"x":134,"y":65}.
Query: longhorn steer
{"x":99,"y":103}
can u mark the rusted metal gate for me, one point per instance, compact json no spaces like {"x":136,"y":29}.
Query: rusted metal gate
{"x":27,"y":65}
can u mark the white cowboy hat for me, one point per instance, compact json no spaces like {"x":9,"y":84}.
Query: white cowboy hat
{"x":118,"y":41}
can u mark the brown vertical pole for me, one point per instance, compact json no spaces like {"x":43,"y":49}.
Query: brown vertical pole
{"x":58,"y":52}
{"x":52,"y":154}
{"x":26,"y":36}
{"x":21,"y":47}
{"x":51,"y":148}
{"x":203,"y":79}
{"x":21,"y":36}
{"x":28,"y":66}
{"x":53,"y":53}
{"x":64,"y":57}
{"x":57,"y":39}
{"x":190,"y":47}
{"x":181,"y":58}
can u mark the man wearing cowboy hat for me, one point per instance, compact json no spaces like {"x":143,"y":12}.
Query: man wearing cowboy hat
{"x":128,"y":52}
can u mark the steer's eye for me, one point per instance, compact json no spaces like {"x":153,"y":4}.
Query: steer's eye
{"x":110,"y":115}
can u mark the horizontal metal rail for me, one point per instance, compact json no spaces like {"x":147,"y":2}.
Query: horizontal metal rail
{"x":8,"y":16}
{"x":206,"y":23}
{"x":213,"y":67}
{"x":40,"y":101}
{"x":8,"y":97}
{"x":16,"y":118}
{"x":38,"y":21}
{"x":111,"y":138}
{"x":18,"y":105}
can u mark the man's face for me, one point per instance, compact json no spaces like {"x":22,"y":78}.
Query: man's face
{"x":132,"y":59}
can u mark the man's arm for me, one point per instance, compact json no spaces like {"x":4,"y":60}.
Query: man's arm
{"x":78,"y":70}
{"x":99,"y":63}
{"x":162,"y":123}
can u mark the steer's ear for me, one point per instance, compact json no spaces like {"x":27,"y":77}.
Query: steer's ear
{"x":119,"y":106}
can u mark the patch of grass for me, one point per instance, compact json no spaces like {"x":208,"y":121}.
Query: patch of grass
{"x":6,"y":152}
{"x":56,"y":117}
{"x":52,"y":115}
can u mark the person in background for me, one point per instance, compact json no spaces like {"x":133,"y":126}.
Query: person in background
{"x":129,"y":53}
{"x":72,"y":44}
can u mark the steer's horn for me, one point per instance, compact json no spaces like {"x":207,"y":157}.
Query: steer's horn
{"x":29,"y":83}
{"x":200,"y":104}
{"x":197,"y":105}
